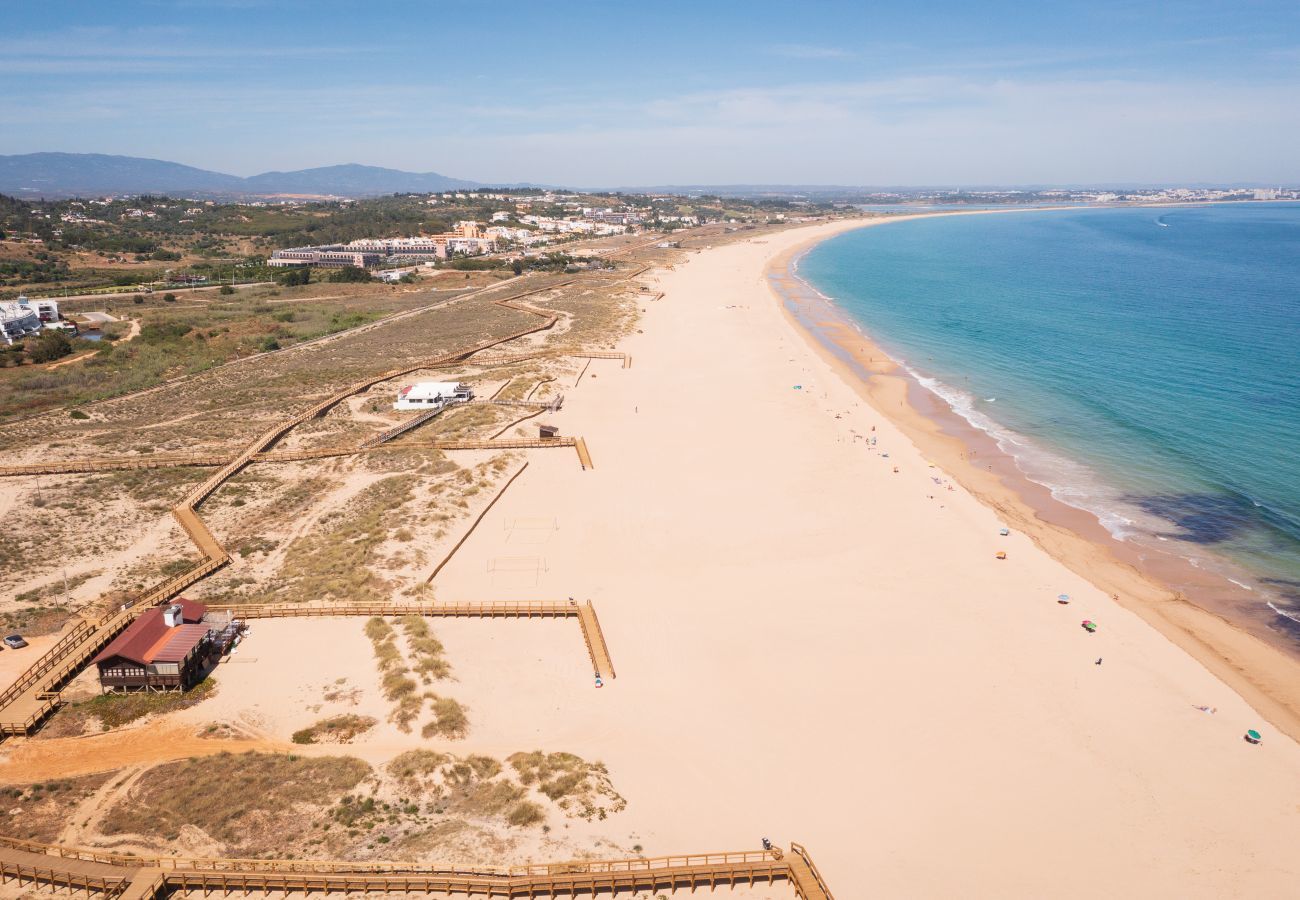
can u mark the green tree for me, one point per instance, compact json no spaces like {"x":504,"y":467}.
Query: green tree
{"x":350,"y":274}
{"x":169,"y":298}
{"x":225,"y":289}
{"x":51,"y":345}
{"x":517,"y":267}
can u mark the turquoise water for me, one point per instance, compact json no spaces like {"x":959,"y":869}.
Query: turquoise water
{"x":1142,"y":363}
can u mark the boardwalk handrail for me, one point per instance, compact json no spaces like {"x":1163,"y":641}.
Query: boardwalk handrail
{"x":643,"y":863}
{"x":487,"y":609}
{"x":802,"y":853}
{"x":50,"y":659}
{"x":235,"y":864}
{"x":107,"y":464}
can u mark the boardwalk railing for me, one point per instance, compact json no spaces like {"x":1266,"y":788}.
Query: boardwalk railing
{"x":804,"y":889}
{"x":492,"y":609}
{"x":51,"y":658}
{"x":108,"y":464}
{"x":403,"y":427}
{"x":149,"y":876}
{"x":499,"y":609}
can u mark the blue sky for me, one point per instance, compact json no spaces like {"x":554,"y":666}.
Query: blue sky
{"x":616,"y":93}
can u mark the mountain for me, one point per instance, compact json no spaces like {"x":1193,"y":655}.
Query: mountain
{"x":53,"y":175}
{"x":353,"y":180}
{"x":34,"y":175}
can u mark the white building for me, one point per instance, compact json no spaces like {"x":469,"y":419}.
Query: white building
{"x":17,"y":321}
{"x":426,"y":395}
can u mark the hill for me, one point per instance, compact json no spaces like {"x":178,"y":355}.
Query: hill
{"x":54,"y":175}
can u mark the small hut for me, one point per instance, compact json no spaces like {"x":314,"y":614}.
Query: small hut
{"x":548,"y":432}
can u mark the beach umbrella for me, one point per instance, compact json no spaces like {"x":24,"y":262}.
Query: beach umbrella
{"x":1062,"y":598}
{"x":1254,"y":736}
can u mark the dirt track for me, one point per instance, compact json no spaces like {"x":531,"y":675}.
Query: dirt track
{"x":31,"y":761}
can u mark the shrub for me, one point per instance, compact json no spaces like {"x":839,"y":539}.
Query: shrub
{"x":294,"y":277}
{"x":225,"y":289}
{"x":169,"y":298}
{"x":137,"y":299}
{"x":51,"y":345}
{"x":350,"y":274}
{"x":336,"y":730}
{"x":525,"y":814}
{"x":451,"y":721}
{"x":377,"y":629}
{"x":78,"y":414}
{"x":161,"y":332}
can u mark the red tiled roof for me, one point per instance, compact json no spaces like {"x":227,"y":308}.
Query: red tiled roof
{"x":147,"y":635}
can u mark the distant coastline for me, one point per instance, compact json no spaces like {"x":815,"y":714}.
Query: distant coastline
{"x":1265,"y":672}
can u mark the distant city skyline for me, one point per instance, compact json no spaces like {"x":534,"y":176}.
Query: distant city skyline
{"x":594,"y":94}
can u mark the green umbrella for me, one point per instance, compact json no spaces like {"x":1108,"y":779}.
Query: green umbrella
{"x":1254,"y":736}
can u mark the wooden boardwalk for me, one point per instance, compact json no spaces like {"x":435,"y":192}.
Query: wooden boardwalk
{"x":492,"y":609}
{"x":584,"y":456}
{"x":145,"y":878}
{"x":34,"y":694}
{"x":177,"y":460}
{"x":498,"y":609}
{"x":595,"y":638}
{"x":27,"y":866}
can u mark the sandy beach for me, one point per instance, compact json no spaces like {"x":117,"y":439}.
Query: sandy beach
{"x":815,"y":642}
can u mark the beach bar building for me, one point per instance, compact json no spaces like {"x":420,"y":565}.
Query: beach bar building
{"x":165,"y":649}
{"x":426,"y":395}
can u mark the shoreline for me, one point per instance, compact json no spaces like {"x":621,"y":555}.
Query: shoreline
{"x":1262,"y":673}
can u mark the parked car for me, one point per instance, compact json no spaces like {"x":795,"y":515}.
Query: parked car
{"x":15,"y":642}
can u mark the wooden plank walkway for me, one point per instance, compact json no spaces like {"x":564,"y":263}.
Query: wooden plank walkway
{"x":557,"y":884}
{"x":491,"y":609}
{"x":807,"y":881}
{"x":584,"y":456}
{"x":163,"y":460}
{"x":146,"y":878}
{"x":26,"y":866}
{"x":34,"y":695}
{"x":401,"y":428}
{"x":595,"y":638}
{"x":146,"y":884}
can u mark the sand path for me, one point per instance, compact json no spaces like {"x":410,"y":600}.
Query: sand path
{"x":83,"y":822}
{"x":143,"y":746}
{"x":814,"y":646}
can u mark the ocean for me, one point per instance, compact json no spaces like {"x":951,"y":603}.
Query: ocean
{"x":1144,"y":364}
